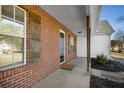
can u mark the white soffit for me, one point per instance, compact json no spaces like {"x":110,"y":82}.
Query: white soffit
{"x":72,"y":16}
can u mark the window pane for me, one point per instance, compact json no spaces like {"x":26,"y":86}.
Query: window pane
{"x":72,"y":41}
{"x":72,"y":44}
{"x":8,"y":10}
{"x":18,"y":50}
{"x":19,"y":14}
{"x":5,"y":50}
{"x":6,"y":26}
{"x":19,"y":29}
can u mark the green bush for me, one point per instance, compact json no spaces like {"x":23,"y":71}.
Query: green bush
{"x":102,"y":59}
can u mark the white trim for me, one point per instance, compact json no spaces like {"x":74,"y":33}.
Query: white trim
{"x":0,"y":13}
{"x":25,"y":26}
{"x":25,"y":29}
{"x":13,"y":37}
{"x":12,"y":19}
{"x":24,"y":37}
{"x":11,"y":66}
{"x":61,"y":31}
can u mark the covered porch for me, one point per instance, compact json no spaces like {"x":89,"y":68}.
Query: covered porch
{"x":51,"y":39}
{"x":81,"y":20}
{"x":77,"y":78}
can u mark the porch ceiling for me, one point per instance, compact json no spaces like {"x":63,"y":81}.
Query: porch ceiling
{"x":72,"y":16}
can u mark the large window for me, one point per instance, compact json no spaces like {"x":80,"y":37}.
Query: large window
{"x":12,"y":36}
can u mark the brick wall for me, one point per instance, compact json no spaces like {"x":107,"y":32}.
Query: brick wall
{"x":29,"y":74}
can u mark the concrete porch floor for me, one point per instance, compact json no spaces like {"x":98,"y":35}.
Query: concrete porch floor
{"x":77,"y":78}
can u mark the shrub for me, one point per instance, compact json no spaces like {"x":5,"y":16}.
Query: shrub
{"x":102,"y":59}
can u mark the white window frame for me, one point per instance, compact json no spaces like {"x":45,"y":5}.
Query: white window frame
{"x":0,"y":12}
{"x":24,"y":37}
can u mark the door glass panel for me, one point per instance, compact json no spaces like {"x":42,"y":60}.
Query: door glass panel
{"x":5,"y":50}
{"x":62,"y":48}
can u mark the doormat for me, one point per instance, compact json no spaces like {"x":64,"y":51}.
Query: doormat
{"x":67,"y":66}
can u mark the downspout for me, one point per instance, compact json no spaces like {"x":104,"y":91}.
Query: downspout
{"x":88,"y":43}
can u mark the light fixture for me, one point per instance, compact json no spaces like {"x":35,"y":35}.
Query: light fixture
{"x":80,"y":32}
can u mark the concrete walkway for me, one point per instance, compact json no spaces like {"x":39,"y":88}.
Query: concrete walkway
{"x":121,"y":60}
{"x":113,"y":76}
{"x":77,"y":78}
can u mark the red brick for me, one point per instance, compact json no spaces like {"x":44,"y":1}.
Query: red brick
{"x":29,"y":74}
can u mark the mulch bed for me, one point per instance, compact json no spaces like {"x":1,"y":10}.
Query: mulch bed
{"x":96,"y":82}
{"x":111,"y":65}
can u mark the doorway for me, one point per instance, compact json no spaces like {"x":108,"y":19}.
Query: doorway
{"x":62,"y":47}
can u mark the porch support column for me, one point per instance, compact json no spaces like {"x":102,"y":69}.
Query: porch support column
{"x":88,"y":44}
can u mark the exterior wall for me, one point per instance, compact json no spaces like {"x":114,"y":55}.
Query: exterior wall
{"x":81,"y":46}
{"x":29,"y":74}
{"x":99,"y":44}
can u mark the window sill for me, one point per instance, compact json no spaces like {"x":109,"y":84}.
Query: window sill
{"x":12,"y":66}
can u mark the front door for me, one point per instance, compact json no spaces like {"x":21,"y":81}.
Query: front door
{"x":62,"y":46}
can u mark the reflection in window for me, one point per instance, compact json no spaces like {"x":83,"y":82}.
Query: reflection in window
{"x":8,"y":11}
{"x":19,"y":15}
{"x":6,"y":26}
{"x":5,"y":50}
{"x":72,"y":45}
{"x":18,"y":50}
{"x":19,"y":29}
